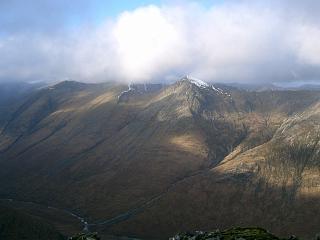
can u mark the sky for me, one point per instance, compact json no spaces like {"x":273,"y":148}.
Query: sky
{"x":271,"y":41}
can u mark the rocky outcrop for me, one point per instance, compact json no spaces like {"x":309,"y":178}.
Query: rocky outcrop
{"x":85,"y":236}
{"x":231,"y":234}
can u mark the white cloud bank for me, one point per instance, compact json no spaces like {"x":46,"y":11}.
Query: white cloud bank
{"x":234,"y":41}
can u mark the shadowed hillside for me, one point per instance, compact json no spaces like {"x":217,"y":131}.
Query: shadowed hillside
{"x":15,"y":225}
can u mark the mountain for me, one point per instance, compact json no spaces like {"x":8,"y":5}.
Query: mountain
{"x":150,"y":161}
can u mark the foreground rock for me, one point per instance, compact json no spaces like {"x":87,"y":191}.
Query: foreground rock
{"x":230,"y":234}
{"x":85,"y":236}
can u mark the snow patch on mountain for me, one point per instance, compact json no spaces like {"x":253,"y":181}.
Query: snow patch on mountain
{"x":138,"y":89}
{"x":203,"y":85}
{"x":126,"y":91}
{"x":197,"y":82}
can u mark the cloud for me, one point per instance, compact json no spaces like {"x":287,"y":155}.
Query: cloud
{"x":238,"y":41}
{"x":148,"y":43}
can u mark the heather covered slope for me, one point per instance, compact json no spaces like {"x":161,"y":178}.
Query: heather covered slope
{"x":179,"y":157}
